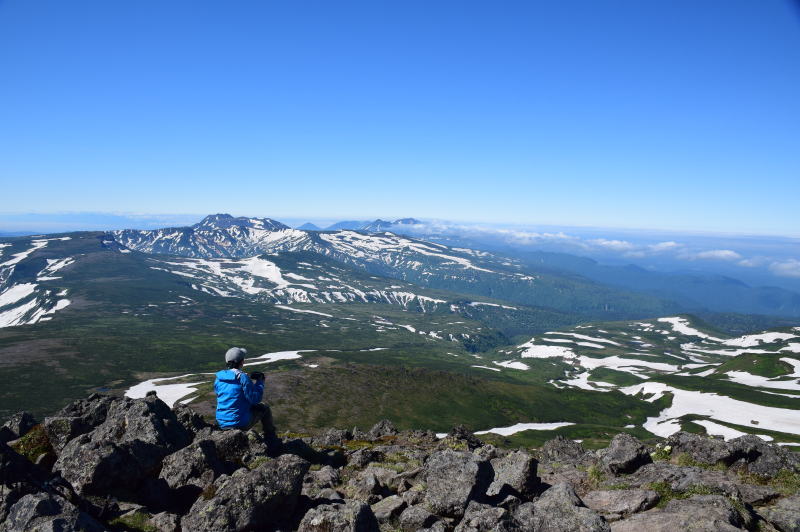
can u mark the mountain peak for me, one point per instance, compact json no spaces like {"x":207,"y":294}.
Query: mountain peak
{"x":224,"y":221}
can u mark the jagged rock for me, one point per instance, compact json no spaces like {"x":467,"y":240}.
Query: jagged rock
{"x":616,"y":504}
{"x":382,"y":428}
{"x":453,"y":479}
{"x":561,"y":449}
{"x":625,"y":454}
{"x":700,"y":512}
{"x":17,"y":426}
{"x":366,"y":488}
{"x":18,"y":477}
{"x":196,"y":465}
{"x":352,"y":516}
{"x":760,"y":458}
{"x":329,"y":495}
{"x":261,"y":498}
{"x":333,"y":438}
{"x":192,"y":421}
{"x":523,"y":516}
{"x":785,"y":514}
{"x":700,"y":449}
{"x":559,"y":509}
{"x":48,"y":512}
{"x":362,"y":457}
{"x":413,"y":496}
{"x":684,"y":478}
{"x":166,"y":522}
{"x":756,"y":495}
{"x":388,"y":508}
{"x":488,"y":452}
{"x":75,"y":419}
{"x":325,"y":477}
{"x":416,"y":518}
{"x":461,"y":437}
{"x":123,"y":450}
{"x":514,"y":474}
{"x":484,"y":518}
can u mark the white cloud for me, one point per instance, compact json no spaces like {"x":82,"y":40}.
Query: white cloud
{"x":786,"y":268}
{"x":718,"y":254}
{"x":614,"y":245}
{"x":664,"y":246}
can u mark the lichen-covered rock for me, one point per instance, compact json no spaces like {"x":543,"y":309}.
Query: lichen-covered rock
{"x":48,"y":512}
{"x":195,"y":465}
{"x":561,"y":449}
{"x":351,"y":516}
{"x":453,"y":479}
{"x":484,"y":518}
{"x":126,"y":448}
{"x":75,"y":419}
{"x":416,"y":518}
{"x":701,"y":449}
{"x":191,"y":420}
{"x":388,"y":508}
{"x":559,"y":509}
{"x":17,"y":426}
{"x":18,"y":477}
{"x":382,"y":428}
{"x":514,"y":474}
{"x":785,"y":514}
{"x":700,"y":512}
{"x":760,"y":458}
{"x":616,"y":504}
{"x":625,"y":454}
{"x":247,"y":500}
{"x":462,"y":438}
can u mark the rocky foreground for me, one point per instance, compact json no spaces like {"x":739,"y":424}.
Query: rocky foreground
{"x":107,"y":463}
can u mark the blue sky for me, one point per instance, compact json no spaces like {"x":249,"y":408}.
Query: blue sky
{"x":668,"y":115}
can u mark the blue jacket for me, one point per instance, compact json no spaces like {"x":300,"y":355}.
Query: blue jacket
{"x":236,"y":393}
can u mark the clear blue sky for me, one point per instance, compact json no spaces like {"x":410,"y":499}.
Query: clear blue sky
{"x":680,"y":114}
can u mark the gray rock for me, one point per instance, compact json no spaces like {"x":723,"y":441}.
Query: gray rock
{"x":438,"y":526}
{"x":561,"y":449}
{"x":514,"y":474}
{"x":523,"y":516}
{"x":484,"y":518}
{"x":756,"y":495}
{"x":18,"y":477}
{"x":191,"y":420}
{"x":366,"y":487}
{"x":453,"y":479}
{"x":701,"y":449}
{"x":415,"y":518}
{"x":461,"y":437}
{"x":195,"y":465}
{"x":785,"y":514}
{"x":625,"y":454}
{"x":325,"y":477}
{"x":123,"y":450}
{"x":352,"y":516}
{"x":559,"y":509}
{"x":75,"y":419}
{"x":762,"y":458}
{"x":616,"y":504}
{"x":700,"y":512}
{"x":362,"y":457}
{"x":261,"y":498}
{"x":413,"y":496}
{"x":382,"y":428}
{"x":388,"y":508}
{"x":165,"y":522}
{"x":44,"y":512}
{"x":17,"y":426}
{"x":332,"y":438}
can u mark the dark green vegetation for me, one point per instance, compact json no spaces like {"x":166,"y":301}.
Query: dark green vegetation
{"x":757,"y":364}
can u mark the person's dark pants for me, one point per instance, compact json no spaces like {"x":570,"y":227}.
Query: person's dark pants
{"x":263,"y":413}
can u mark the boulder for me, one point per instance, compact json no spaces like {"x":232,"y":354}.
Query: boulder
{"x":166,"y":522}
{"x":514,"y":474}
{"x":125,"y":449}
{"x":484,"y":518}
{"x":616,"y":504}
{"x":332,"y":438}
{"x":761,"y":458}
{"x":625,"y":454}
{"x":17,"y":426}
{"x":701,"y":449}
{"x":75,"y":419}
{"x":416,"y":518}
{"x":700,"y":512}
{"x":195,"y":465}
{"x":564,"y":450}
{"x":250,"y":499}
{"x":18,"y":477}
{"x":559,"y":509}
{"x":191,"y":420}
{"x":388,"y":508}
{"x":461,"y":437}
{"x":45,"y":512}
{"x":382,"y":428}
{"x":362,"y":457}
{"x":523,"y":516}
{"x":785,"y":514}
{"x":453,"y":479}
{"x":351,"y":516}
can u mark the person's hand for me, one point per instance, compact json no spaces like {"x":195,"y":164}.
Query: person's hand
{"x":257,"y":376}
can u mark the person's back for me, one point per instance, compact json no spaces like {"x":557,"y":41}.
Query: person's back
{"x":236,"y":394}
{"x":239,"y":403}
